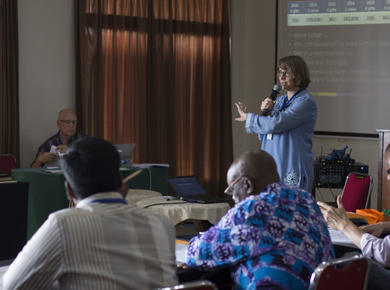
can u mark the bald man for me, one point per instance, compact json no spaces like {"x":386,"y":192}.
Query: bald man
{"x":58,"y":143}
{"x":274,"y":236}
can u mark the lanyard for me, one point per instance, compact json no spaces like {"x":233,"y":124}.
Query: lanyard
{"x":287,"y":102}
{"x":109,"y":200}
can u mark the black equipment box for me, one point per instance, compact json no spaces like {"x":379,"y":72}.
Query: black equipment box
{"x":332,"y":173}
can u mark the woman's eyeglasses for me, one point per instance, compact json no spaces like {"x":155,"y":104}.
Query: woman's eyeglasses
{"x":284,"y":73}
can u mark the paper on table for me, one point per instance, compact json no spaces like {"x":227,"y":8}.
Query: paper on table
{"x":53,"y":169}
{"x":339,"y":238}
{"x":56,"y":164}
{"x":180,"y":250}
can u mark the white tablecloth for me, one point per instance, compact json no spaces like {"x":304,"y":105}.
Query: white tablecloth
{"x":177,"y":210}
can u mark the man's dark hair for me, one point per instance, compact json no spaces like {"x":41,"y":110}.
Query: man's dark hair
{"x":91,"y":165}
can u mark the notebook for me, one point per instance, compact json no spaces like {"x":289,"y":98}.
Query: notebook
{"x":189,"y":189}
{"x":125,"y":151}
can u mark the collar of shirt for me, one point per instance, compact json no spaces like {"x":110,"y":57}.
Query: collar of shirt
{"x":73,"y":138}
{"x":287,"y":102}
{"x":98,"y":196}
{"x":59,"y":138}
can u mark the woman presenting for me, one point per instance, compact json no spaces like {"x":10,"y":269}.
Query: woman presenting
{"x":285,"y":127}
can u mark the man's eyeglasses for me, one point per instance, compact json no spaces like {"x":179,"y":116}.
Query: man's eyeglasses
{"x":69,"y":122}
{"x":229,"y":189}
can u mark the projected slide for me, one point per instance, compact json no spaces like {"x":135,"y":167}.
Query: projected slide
{"x":302,"y":13}
{"x":347,"y":47}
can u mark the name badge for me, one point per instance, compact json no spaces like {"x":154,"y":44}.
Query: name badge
{"x":269,"y":136}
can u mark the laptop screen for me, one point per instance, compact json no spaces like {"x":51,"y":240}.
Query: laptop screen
{"x":186,"y":186}
{"x":125,"y":150}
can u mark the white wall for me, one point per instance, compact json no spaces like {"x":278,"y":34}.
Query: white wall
{"x":46,"y":69}
{"x":252,"y":59}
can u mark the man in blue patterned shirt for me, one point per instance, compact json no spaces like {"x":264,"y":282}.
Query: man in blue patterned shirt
{"x":274,"y":236}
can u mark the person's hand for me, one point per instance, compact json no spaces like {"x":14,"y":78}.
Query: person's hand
{"x":242,"y":110}
{"x":376,"y":229}
{"x":267,"y":104}
{"x":183,"y":266}
{"x":61,"y":148}
{"x":47,"y":157}
{"x":336,"y":218}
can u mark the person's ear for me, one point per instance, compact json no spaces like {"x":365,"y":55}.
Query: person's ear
{"x":248,"y":185}
{"x":70,"y":192}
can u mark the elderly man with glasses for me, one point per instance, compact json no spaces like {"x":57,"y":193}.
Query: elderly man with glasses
{"x":274,"y":236}
{"x":49,"y":151}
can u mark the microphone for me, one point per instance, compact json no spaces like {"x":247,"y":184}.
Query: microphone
{"x":275,"y":92}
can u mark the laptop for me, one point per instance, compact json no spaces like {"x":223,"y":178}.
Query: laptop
{"x":189,"y":189}
{"x":125,"y":151}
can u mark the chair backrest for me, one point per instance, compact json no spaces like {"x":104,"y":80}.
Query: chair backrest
{"x":13,"y":218}
{"x":341,"y":274}
{"x":193,"y":285}
{"x":357,"y":190}
{"x":7,"y":163}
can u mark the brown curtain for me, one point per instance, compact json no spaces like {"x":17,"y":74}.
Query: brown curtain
{"x":157,"y":73}
{"x":9,"y":103}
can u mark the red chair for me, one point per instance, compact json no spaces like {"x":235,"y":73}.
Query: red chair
{"x":356,"y":192}
{"x":7,"y":163}
{"x":341,"y":274}
{"x":194,"y":285}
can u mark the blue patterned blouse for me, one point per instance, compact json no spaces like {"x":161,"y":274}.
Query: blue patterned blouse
{"x":287,"y":136}
{"x":271,"y":240}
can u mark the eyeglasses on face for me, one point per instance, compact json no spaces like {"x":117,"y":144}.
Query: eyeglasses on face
{"x":69,"y":122}
{"x":229,"y":189}
{"x":284,"y":73}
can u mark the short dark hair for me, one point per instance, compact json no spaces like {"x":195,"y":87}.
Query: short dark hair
{"x":298,"y":68}
{"x":91,"y":165}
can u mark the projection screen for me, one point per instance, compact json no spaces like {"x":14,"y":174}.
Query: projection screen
{"x":346,"y":45}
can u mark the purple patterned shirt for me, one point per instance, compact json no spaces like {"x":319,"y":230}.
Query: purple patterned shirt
{"x":274,"y":239}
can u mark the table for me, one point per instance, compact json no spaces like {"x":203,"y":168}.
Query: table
{"x":153,"y":177}
{"x":47,"y":191}
{"x":179,"y":211}
{"x":46,"y":194}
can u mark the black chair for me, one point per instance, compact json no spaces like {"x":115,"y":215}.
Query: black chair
{"x":13,"y":218}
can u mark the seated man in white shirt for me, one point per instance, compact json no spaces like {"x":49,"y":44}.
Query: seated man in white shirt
{"x":366,"y":238}
{"x":102,"y":243}
{"x":48,"y":152}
